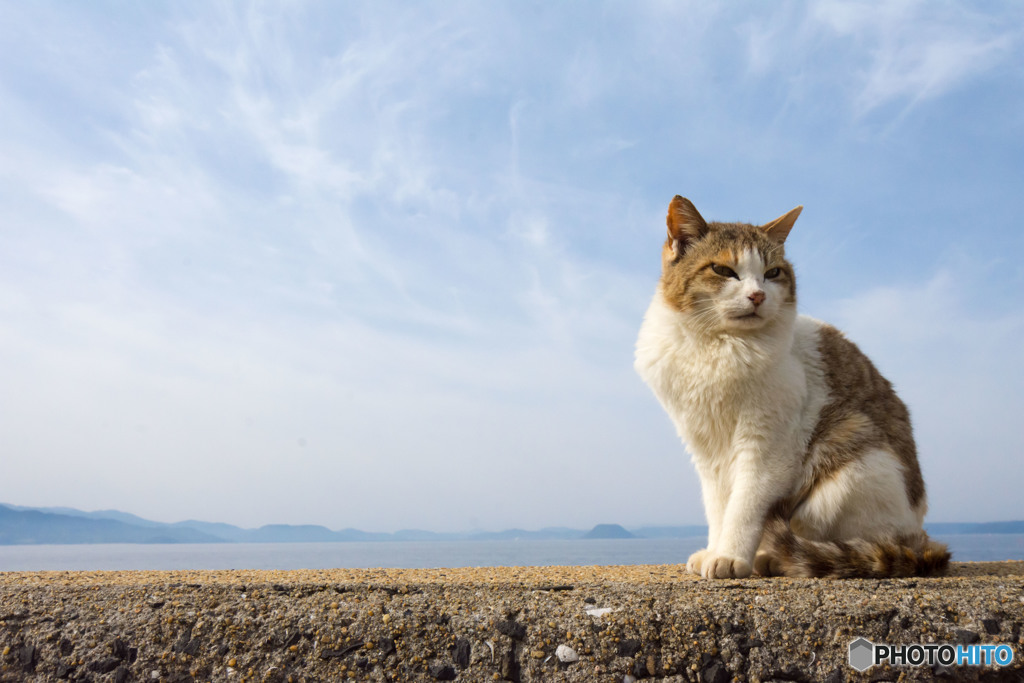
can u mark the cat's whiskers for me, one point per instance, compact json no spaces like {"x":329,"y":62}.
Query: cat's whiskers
{"x":705,"y":319}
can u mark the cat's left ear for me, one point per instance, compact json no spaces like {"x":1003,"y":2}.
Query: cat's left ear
{"x":779,"y":228}
{"x":685,"y":224}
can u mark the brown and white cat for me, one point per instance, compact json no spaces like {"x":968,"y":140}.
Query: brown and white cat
{"x":805,"y":453}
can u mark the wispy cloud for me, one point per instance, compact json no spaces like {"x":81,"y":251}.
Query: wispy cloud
{"x":261,"y":258}
{"x":356,"y":260}
{"x":914,"y":50}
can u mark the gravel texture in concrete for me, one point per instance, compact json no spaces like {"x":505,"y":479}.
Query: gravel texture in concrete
{"x":483,"y":624}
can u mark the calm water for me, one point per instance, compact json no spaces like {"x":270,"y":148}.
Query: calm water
{"x":968,"y":547}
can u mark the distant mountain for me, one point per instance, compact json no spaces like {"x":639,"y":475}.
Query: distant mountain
{"x":671,"y":531}
{"x":280,"y":533}
{"x":285,"y":533}
{"x":421,"y":535}
{"x":546,"y":534}
{"x":60,"y":525}
{"x":362,"y":536}
{"x":23,"y":525}
{"x":117,"y":515}
{"x":608,"y":531}
{"x":226,"y":532}
{"x":30,"y":527}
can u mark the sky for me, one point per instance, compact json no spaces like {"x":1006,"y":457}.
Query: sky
{"x":382,"y":265}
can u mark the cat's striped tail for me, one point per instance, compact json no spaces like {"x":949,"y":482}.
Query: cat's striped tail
{"x":783,"y":553}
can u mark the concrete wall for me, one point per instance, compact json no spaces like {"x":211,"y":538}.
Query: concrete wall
{"x":620,"y":623}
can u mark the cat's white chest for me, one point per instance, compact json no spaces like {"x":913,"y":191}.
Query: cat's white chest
{"x":720,"y":394}
{"x":705,"y":412}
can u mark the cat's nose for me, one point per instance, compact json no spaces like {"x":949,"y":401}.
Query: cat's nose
{"x":757,"y":297}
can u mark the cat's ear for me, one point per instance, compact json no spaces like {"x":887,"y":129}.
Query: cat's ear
{"x":779,"y":228}
{"x":685,"y":224}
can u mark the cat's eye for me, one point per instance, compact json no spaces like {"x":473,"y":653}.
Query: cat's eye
{"x":724,"y":271}
{"x":772,"y":273}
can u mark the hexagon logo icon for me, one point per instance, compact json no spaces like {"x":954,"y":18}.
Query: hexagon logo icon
{"x":862,"y":654}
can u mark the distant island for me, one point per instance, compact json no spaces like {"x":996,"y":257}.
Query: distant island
{"x":608,"y":531}
{"x":58,"y":526}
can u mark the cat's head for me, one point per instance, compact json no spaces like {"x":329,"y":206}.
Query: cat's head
{"x":727,"y":277}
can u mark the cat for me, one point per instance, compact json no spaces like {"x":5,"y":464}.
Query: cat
{"x":806,"y":457}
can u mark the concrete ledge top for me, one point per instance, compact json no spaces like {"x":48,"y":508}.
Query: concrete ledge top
{"x":526,"y":576}
{"x":474,"y":624}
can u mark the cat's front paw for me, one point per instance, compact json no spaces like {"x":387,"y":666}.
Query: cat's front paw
{"x":696,"y":560}
{"x":715,"y":566}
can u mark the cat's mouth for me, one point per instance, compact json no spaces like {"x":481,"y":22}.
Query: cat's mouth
{"x":743,"y":321}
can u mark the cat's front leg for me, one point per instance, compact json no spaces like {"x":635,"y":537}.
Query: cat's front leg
{"x":714,"y":507}
{"x":752,"y":493}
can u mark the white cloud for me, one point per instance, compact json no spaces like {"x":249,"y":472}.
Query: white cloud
{"x":297,"y":265}
{"x":915,"y":50}
{"x":533,"y":230}
{"x":419,"y":240}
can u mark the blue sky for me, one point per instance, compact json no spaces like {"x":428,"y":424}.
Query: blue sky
{"x":382,"y":265}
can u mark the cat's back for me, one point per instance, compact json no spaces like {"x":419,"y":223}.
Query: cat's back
{"x":848,"y":379}
{"x":859,"y":408}
{"x":851,"y":379}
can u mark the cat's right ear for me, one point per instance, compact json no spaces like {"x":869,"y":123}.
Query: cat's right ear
{"x":685,"y":224}
{"x":779,"y":228}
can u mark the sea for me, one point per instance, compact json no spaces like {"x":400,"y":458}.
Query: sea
{"x":413,"y":555}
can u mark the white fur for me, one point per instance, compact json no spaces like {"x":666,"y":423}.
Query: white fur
{"x":866,"y":500}
{"x":745,"y":398}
